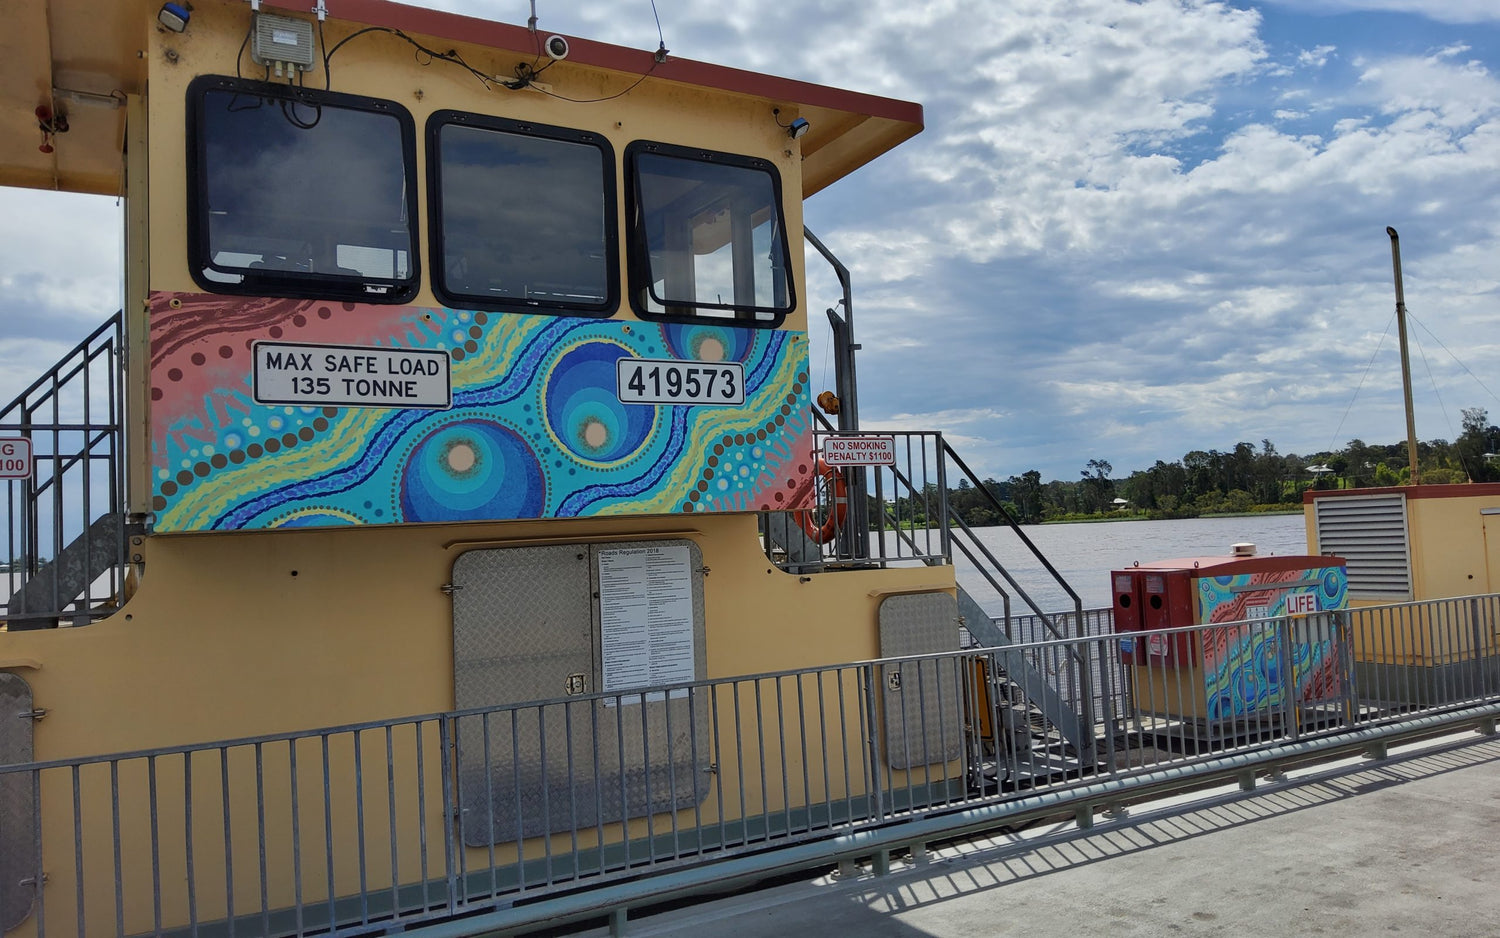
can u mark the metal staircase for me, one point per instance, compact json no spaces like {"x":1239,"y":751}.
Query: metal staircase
{"x":65,"y":527}
{"x":901,"y":514}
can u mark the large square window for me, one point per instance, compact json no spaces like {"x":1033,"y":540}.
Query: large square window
{"x":708,"y":240}
{"x":300,"y":192}
{"x":522,"y":216}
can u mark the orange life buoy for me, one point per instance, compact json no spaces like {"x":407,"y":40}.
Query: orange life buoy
{"x":838,"y":506}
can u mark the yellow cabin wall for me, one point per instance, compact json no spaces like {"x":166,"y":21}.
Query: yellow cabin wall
{"x":238,"y":634}
{"x":1450,"y":541}
{"x":252,"y":633}
{"x":258,"y":633}
{"x":1446,"y":540}
{"x":666,"y":112}
{"x":1447,"y":546}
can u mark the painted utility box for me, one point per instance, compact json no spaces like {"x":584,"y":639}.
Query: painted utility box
{"x":1237,"y":668}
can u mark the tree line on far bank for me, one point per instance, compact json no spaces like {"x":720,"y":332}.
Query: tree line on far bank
{"x":1244,"y":479}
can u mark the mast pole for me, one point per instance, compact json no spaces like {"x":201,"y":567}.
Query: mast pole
{"x":1411,"y":423}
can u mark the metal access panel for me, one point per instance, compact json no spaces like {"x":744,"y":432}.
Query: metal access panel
{"x":922,"y":707}
{"x":529,"y":624}
{"x":18,"y":847}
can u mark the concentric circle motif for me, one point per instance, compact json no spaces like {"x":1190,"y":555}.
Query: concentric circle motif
{"x":708,"y":343}
{"x":583,"y":411}
{"x":1333,"y":586}
{"x":471,"y":470}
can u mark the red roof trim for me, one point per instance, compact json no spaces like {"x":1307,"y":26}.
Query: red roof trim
{"x":1460,"y":490}
{"x":1231,"y":566}
{"x":457,"y":28}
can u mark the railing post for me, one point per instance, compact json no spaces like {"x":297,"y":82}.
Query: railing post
{"x":1482,"y":684}
{"x":872,"y":740}
{"x":945,"y":540}
{"x":1341,"y":629}
{"x":1285,"y":658}
{"x":451,"y":841}
{"x":29,"y":534}
{"x":1108,"y":655}
{"x":1084,"y":659}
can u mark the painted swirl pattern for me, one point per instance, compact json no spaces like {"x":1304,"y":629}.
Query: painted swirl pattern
{"x":535,"y":430}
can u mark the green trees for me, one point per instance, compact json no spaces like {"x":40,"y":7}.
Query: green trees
{"x":1245,"y":478}
{"x":1477,"y":447}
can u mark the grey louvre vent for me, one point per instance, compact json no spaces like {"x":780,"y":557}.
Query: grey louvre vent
{"x":1370,"y":532}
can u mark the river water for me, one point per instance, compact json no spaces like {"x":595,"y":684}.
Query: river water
{"x":1084,"y":553}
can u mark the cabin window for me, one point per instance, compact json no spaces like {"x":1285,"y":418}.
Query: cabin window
{"x":522,"y":216}
{"x":708,"y":240}
{"x":300,"y":192}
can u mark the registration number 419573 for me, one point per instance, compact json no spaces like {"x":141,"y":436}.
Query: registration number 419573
{"x":654,"y":381}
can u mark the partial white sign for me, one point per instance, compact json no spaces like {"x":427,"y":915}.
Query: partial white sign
{"x":668,"y":381}
{"x":15,"y":457}
{"x":859,"y":450}
{"x":646,"y":617}
{"x":351,"y":376}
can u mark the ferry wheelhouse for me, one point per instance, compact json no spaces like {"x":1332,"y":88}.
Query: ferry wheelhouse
{"x":458,"y":366}
{"x":442,"y":537}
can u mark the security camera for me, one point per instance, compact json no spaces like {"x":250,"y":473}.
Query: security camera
{"x":557,"y":48}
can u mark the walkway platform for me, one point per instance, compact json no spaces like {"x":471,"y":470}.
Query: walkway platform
{"x":1409,"y":844}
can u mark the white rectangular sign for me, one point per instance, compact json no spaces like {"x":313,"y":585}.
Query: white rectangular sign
{"x":859,"y":450}
{"x":668,"y":381}
{"x":351,"y":376}
{"x":15,"y":457}
{"x":646,"y":617}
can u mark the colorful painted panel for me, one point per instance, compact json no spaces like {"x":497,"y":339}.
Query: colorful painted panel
{"x":1243,"y":665}
{"x":534,"y":429}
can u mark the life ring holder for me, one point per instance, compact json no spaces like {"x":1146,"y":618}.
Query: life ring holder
{"x":838,"y":508}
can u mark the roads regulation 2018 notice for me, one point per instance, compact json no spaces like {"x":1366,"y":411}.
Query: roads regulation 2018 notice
{"x":646,"y":616}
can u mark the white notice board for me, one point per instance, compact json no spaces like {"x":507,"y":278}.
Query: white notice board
{"x":646,"y":616}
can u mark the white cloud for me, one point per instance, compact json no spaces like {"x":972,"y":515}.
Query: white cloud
{"x":1315,"y":57}
{"x":1111,"y":240}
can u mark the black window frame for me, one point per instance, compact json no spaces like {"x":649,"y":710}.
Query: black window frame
{"x":282,"y":283}
{"x":638,"y":259}
{"x":435,"y":233}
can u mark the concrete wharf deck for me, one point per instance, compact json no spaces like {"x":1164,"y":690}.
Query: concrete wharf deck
{"x":1405,"y":845}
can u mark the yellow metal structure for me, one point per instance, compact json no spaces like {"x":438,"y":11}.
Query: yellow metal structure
{"x":1449,"y":534}
{"x":233,"y":633}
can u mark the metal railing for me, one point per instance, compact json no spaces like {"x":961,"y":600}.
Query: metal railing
{"x":64,"y":550}
{"x":503,"y":814}
{"x":908,"y":518}
{"x":903,"y":517}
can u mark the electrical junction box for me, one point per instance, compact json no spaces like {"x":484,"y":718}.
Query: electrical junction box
{"x":281,"y":40}
{"x":1232,"y":670}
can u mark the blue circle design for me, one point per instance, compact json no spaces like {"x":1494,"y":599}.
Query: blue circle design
{"x":471,"y":470}
{"x":583,"y":412}
{"x":708,"y":342}
{"x":1332,"y":583}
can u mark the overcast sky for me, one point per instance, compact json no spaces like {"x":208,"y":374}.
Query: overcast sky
{"x":1130,"y":229}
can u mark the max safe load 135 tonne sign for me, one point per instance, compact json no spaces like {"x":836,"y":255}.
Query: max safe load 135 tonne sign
{"x":351,"y":376}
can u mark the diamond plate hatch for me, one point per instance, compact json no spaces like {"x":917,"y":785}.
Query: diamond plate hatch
{"x":526,"y":627}
{"x":18,"y":846}
{"x":921,"y":706}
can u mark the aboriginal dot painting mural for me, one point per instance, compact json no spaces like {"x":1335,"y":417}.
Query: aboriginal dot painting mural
{"x":1244,"y":669}
{"x":292,"y":413}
